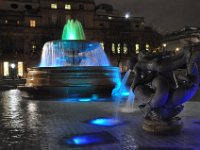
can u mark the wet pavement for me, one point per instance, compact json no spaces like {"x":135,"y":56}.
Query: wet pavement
{"x":43,"y":125}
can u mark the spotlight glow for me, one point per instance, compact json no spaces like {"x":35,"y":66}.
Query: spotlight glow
{"x":85,"y":139}
{"x":85,"y":100}
{"x":90,"y":139}
{"x":108,"y":122}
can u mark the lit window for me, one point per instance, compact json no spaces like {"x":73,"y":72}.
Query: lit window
{"x":102,"y":44}
{"x":137,"y":48}
{"x":20,"y":69}
{"x":33,"y":47}
{"x":32,"y":23}
{"x":6,"y":21}
{"x":6,"y":68}
{"x":118,"y":48}
{"x":147,"y":47}
{"x":125,"y":49}
{"x":67,"y":6}
{"x":54,"y":6}
{"x":113,"y":48}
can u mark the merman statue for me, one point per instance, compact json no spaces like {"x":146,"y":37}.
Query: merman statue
{"x":163,"y":82}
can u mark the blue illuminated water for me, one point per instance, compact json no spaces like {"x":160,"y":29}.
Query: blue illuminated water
{"x":128,"y":107}
{"x":73,"y":53}
{"x":121,"y":91}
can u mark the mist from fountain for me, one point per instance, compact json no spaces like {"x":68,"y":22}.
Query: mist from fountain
{"x":129,"y":104}
{"x":119,"y":92}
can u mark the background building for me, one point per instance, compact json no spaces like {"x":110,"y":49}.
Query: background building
{"x":177,"y":40}
{"x":26,"y":25}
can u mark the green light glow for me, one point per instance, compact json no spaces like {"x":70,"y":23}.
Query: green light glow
{"x":73,"y":30}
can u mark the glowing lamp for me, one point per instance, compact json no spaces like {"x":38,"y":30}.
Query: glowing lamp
{"x":127,"y":16}
{"x":12,"y":66}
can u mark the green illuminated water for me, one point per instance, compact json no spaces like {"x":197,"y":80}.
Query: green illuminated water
{"x":73,"y":30}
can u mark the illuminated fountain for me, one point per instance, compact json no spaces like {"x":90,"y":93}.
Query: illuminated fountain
{"x":73,"y":67}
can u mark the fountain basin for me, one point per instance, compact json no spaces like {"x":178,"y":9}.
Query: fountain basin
{"x":72,"y":81}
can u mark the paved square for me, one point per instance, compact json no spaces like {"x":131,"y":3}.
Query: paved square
{"x":43,"y":125}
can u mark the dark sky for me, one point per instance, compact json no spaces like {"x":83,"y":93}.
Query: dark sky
{"x":165,"y":15}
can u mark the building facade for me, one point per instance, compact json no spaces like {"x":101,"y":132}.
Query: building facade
{"x":26,"y":25}
{"x":177,"y":40}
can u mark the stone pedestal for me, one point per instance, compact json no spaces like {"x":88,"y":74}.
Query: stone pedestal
{"x":173,"y":125}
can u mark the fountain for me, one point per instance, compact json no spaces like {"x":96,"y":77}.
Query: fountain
{"x":73,"y":67}
{"x":73,"y":31}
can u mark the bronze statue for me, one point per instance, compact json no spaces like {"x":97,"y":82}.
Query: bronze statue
{"x":163,"y":82}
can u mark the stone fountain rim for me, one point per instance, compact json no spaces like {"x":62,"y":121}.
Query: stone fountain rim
{"x":73,"y":67}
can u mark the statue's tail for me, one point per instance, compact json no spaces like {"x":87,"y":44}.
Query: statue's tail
{"x":181,"y":95}
{"x":193,"y":60}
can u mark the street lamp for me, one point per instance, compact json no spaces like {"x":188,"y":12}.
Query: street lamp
{"x":127,"y":15}
{"x":164,"y":45}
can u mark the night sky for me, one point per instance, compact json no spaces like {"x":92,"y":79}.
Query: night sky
{"x":164,"y":15}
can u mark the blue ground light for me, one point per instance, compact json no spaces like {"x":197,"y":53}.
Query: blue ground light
{"x":94,"y":98}
{"x":85,"y":100}
{"x":107,"y":122}
{"x":90,"y":139}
